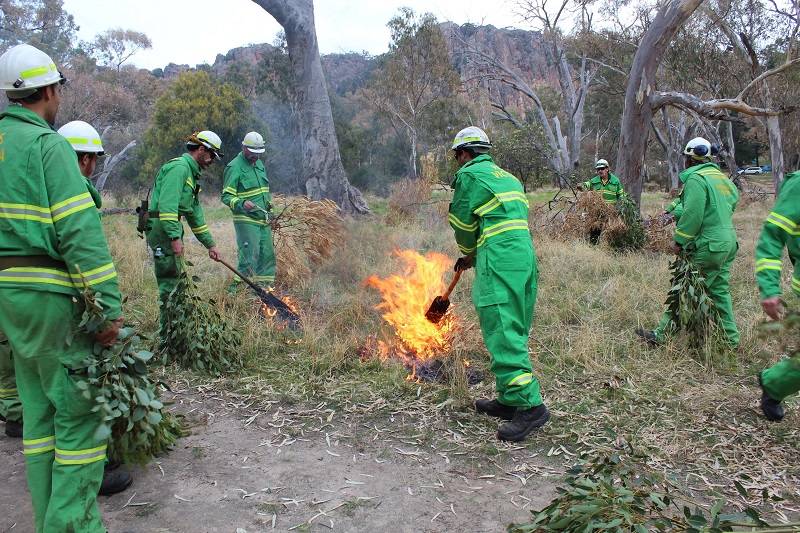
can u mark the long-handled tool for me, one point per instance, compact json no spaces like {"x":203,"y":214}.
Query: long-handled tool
{"x":440,"y":304}
{"x":285,"y":313}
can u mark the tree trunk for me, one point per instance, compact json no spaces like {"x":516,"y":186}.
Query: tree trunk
{"x":321,"y":161}
{"x":638,"y":107}
{"x":110,"y":164}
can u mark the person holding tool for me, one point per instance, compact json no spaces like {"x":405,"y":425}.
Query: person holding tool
{"x":52,"y":245}
{"x":246,"y":192}
{"x":489,"y":215}
{"x":176,"y":194}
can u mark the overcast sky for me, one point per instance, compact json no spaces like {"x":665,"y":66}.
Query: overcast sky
{"x":194,"y":32}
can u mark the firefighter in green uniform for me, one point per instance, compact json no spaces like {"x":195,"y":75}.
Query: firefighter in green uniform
{"x":489,"y":215}
{"x":781,"y":229}
{"x":608,"y":185}
{"x":705,"y":233}
{"x":176,"y":194}
{"x":246,"y":192}
{"x":49,"y":232}
{"x":10,"y":406}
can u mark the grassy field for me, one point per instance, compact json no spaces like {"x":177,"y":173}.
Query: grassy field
{"x":693,"y":414}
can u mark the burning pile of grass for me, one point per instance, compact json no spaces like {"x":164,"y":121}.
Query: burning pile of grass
{"x":306,"y":232}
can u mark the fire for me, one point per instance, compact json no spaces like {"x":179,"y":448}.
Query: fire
{"x":406,"y":298}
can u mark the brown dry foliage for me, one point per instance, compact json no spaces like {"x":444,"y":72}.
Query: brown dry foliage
{"x":658,"y":231}
{"x":306,"y":232}
{"x":409,"y":196}
{"x":591,"y":212}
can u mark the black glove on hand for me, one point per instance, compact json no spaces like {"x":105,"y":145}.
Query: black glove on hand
{"x":463,"y":263}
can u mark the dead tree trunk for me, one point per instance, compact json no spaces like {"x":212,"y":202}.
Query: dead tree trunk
{"x":110,"y":164}
{"x":638,"y":107}
{"x":321,"y":160}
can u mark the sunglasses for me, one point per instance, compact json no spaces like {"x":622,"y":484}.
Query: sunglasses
{"x":457,"y":153}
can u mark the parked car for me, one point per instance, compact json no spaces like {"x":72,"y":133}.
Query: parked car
{"x":749,"y":170}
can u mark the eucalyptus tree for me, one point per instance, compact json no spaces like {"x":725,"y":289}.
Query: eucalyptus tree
{"x":321,"y":161}
{"x":416,"y":75}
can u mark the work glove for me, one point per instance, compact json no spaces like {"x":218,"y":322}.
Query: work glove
{"x":463,"y":263}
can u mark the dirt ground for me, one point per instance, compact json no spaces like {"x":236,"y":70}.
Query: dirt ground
{"x":244,"y":469}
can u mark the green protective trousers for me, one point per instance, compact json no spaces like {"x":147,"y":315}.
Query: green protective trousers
{"x":165,"y":264}
{"x":782,"y":379}
{"x":256,"y":252}
{"x":504,"y":294}
{"x":716,"y":267}
{"x":10,"y":406}
{"x":64,"y":461}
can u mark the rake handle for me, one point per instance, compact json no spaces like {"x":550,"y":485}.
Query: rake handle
{"x":446,"y":295}
{"x":252,"y":285}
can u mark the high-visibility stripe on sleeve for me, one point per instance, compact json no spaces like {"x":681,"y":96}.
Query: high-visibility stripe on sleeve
{"x":768,"y":264}
{"x":495,"y":202}
{"x":26,"y":212}
{"x":456,"y":223}
{"x":170,"y":217}
{"x":465,"y":250}
{"x":97,"y":275}
{"x":685,"y":235}
{"x":200,"y":229}
{"x":502,"y":227}
{"x":81,"y":457}
{"x":9,"y":393}
{"x":72,"y":205}
{"x":48,"y":276}
{"x":795,"y":285}
{"x":521,"y":380}
{"x":34,"y":446}
{"x":783,"y":223}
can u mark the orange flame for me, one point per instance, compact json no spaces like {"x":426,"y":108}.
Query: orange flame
{"x":406,"y":299}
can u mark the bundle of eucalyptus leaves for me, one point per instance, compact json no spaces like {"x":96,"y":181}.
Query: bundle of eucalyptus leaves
{"x":133,"y":418}
{"x":613,"y":493}
{"x":627,"y":232}
{"x":197,"y":336}
{"x":690,"y":305}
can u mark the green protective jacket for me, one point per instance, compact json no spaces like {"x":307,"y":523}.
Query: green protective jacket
{"x":176,"y":194}
{"x":243,"y":182}
{"x":781,"y":229}
{"x":489,"y":215}
{"x":676,"y":208}
{"x":611,"y":189}
{"x":55,"y":216}
{"x":709,"y":199}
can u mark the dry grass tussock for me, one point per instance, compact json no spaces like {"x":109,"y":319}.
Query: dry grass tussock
{"x":694,"y":415}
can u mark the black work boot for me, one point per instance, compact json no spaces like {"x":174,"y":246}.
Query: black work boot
{"x":13,"y":429}
{"x":772,"y":409}
{"x":648,"y":336}
{"x":495,"y":408}
{"x":114,"y":482}
{"x":524,"y":421}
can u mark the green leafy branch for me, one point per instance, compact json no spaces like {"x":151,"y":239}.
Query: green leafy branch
{"x":197,"y":336}
{"x":118,"y":377}
{"x":609,"y":493}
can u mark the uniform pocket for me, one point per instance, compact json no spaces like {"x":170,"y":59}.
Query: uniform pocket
{"x":166,"y":266}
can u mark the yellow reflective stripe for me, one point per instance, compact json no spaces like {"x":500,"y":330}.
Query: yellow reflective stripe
{"x":768,"y":264}
{"x":521,"y":380}
{"x":171,"y":217}
{"x":81,"y":457}
{"x":462,"y":225}
{"x":684,"y":234}
{"x":78,"y":140}
{"x":97,"y":275}
{"x":795,"y":285}
{"x":502,"y":227}
{"x":71,"y":205}
{"x":8,"y":393}
{"x":267,"y":279}
{"x":37,"y":71}
{"x":783,"y":223}
{"x":190,"y":182}
{"x":26,"y":212}
{"x":253,"y":192}
{"x":33,"y":446}
{"x":465,"y":250}
{"x":200,"y":229}
{"x":229,"y":190}
{"x":48,"y":276}
{"x":247,"y":220}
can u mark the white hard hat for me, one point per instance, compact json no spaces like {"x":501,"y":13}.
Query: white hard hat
{"x":700,"y":149}
{"x":23,"y":69}
{"x":206,"y":138}
{"x":601,"y":163}
{"x":83,"y":137}
{"x":472,"y":137}
{"x":254,"y":142}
